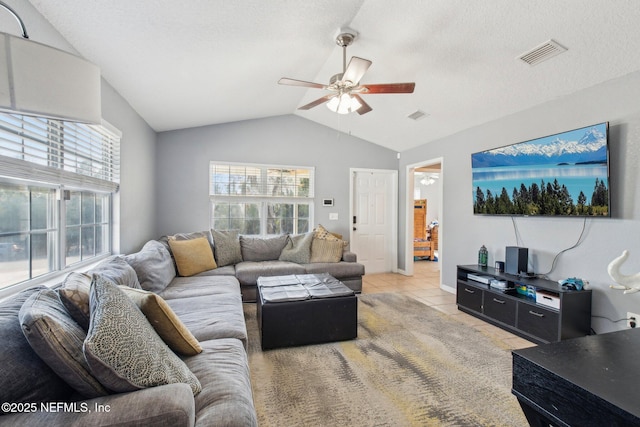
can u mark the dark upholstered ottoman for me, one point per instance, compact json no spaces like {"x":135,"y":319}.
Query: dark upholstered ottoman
{"x":305,"y":309}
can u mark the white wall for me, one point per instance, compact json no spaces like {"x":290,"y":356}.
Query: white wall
{"x":463,"y":233}
{"x":135,"y":202}
{"x":184,"y":155}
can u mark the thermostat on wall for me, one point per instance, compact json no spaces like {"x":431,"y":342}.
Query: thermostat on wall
{"x":327,"y":202}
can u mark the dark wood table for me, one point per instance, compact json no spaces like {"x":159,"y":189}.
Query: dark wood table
{"x":588,"y":381}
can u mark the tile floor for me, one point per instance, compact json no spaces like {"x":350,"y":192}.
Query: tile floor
{"x":424,"y":286}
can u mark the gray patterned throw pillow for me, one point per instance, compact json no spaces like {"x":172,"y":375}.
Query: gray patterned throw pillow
{"x":123,"y":350}
{"x":298,"y":249}
{"x":57,"y":339}
{"x":226,"y":245}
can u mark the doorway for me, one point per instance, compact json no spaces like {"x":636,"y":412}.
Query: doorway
{"x":374,"y":217}
{"x":424,"y":189}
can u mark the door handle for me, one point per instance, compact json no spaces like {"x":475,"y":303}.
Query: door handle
{"x":498,"y":301}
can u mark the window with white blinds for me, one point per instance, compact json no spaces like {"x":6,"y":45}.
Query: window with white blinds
{"x":66,"y":153}
{"x":57,"y":181}
{"x":229,"y":179}
{"x":261,"y":199}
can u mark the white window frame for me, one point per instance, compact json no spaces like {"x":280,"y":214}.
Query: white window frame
{"x":67,"y":157}
{"x":259,"y":193}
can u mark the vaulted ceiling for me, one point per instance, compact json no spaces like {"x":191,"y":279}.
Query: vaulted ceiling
{"x":190,"y":63}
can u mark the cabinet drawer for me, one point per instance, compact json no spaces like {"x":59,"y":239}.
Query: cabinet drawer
{"x":500,"y":308}
{"x":538,"y":321}
{"x":469,"y":297}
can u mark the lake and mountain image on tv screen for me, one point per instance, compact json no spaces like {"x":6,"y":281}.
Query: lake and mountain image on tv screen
{"x":559,"y":175}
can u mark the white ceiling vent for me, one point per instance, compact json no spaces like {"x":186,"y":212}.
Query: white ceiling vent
{"x":541,"y":53}
{"x":417,"y":115}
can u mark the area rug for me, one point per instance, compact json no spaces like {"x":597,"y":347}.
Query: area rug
{"x":410,"y":366}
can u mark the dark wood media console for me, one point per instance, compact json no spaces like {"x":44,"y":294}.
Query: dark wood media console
{"x":588,"y":381}
{"x":520,"y":314}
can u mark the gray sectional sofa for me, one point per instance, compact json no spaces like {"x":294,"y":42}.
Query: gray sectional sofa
{"x":247,"y":257}
{"x":134,"y":343}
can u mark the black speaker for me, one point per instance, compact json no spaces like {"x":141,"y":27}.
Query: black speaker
{"x":516,"y":260}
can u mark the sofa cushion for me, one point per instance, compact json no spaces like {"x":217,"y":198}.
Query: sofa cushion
{"x":339,"y":270}
{"x":247,"y":272}
{"x":25,"y":377}
{"x":226,"y":247}
{"x":323,"y":250}
{"x":262,"y":248}
{"x":192,"y":256}
{"x":186,"y":287}
{"x":117,"y":270}
{"x":212,"y":316}
{"x":123,"y":350}
{"x":226,"y":397}
{"x":165,"y":322}
{"x":158,"y":313}
{"x":153,"y":265}
{"x":57,"y":339}
{"x":227,"y":270}
{"x":297,"y":249}
{"x":74,"y":295}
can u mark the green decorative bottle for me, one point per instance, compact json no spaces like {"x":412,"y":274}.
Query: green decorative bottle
{"x":483,"y":256}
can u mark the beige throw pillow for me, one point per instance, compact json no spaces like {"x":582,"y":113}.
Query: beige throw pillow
{"x":192,"y":256}
{"x":326,"y":250}
{"x":165,"y":322}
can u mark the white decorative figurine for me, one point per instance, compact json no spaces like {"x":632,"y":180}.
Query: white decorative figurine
{"x":630,"y":283}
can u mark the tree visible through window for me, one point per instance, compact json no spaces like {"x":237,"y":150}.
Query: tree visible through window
{"x":56,"y":184}
{"x":261,"y":199}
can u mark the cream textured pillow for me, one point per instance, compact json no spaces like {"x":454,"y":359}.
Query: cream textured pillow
{"x":192,"y":256}
{"x":322,"y":233}
{"x":326,"y":250}
{"x":122,"y":349}
{"x":165,"y":322}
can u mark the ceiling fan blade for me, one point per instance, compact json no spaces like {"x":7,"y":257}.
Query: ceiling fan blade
{"x":317,"y":102}
{"x":388,"y":88}
{"x":365,"y":108}
{"x":355,"y":70}
{"x":294,"y":82}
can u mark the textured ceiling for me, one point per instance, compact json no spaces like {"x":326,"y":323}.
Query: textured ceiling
{"x":199,"y":62}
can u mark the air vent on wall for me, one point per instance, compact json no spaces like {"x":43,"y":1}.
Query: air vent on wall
{"x":417,"y":115}
{"x":541,"y":53}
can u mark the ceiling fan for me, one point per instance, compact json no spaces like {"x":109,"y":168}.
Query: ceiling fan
{"x":345,"y":87}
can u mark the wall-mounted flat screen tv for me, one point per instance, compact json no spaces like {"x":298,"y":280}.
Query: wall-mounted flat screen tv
{"x":565,"y":174}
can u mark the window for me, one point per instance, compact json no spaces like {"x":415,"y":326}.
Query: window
{"x":56,"y":185}
{"x":261,"y":199}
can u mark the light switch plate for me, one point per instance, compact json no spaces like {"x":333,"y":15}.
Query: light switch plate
{"x":333,"y":216}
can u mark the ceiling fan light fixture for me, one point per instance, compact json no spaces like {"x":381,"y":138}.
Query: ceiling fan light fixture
{"x":343,"y":104}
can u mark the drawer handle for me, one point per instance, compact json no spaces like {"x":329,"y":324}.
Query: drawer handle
{"x":469,"y":290}
{"x":498,"y":301}
{"x":536,"y":314}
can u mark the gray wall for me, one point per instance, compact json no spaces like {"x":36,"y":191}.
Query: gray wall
{"x":462,"y":233}
{"x":135,"y":200}
{"x":182,"y":182}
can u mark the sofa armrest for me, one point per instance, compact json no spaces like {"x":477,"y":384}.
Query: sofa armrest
{"x":349,"y":256}
{"x":171,"y":404}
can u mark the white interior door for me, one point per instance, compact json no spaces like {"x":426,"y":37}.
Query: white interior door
{"x":374,"y":234}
